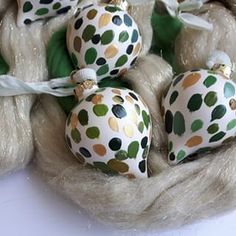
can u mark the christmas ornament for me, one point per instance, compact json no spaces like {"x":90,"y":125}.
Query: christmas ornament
{"x":110,"y":129}
{"x":199,"y":109}
{"x":104,"y":38}
{"x":32,"y":10}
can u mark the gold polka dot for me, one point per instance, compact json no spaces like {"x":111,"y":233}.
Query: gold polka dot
{"x":111,"y":51}
{"x":97,"y":99}
{"x":137,"y":49}
{"x":194,"y":141}
{"x":74,"y":121}
{"x":129,"y":99}
{"x":133,"y":116}
{"x":129,"y":131}
{"x":104,"y":20}
{"x":191,"y":80}
{"x":116,"y":91}
{"x":100,"y":149}
{"x":113,"y":124}
{"x":92,"y":14}
{"x":130,"y":176}
{"x":77,"y":43}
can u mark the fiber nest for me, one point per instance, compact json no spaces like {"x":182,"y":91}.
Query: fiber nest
{"x":33,"y":127}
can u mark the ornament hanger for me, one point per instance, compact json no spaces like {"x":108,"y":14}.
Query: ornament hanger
{"x":178,"y":10}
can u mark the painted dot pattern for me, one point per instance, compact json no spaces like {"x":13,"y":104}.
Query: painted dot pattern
{"x":198,"y":113}
{"x":110,"y":132}
{"x":106,"y":33}
{"x":29,"y":10}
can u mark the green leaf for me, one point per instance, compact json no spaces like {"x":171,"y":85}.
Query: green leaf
{"x":60,"y":65}
{"x":4,"y":68}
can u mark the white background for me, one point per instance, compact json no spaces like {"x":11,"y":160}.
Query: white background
{"x":28,"y":207}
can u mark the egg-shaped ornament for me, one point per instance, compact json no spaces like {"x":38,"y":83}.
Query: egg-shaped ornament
{"x":104,"y":38}
{"x":199,"y":111}
{"x":110,"y":129}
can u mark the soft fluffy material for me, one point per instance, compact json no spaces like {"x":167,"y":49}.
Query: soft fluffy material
{"x":173,"y":196}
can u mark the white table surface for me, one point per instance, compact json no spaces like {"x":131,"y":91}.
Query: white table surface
{"x":28,"y":207}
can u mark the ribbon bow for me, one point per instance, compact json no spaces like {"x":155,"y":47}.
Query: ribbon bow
{"x":179,"y":10}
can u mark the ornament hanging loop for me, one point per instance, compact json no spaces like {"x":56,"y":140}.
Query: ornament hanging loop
{"x":86,"y":81}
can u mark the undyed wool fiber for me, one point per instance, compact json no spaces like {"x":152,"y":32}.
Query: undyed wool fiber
{"x":173,"y":196}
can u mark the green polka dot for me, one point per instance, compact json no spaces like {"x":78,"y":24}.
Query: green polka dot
{"x":103,"y":70}
{"x":179,"y":124}
{"x":146,"y":119}
{"x":196,"y":125}
{"x":124,"y":36}
{"x":170,"y":146}
{"x":118,"y":166}
{"x":209,"y":81}
{"x":121,"y":155}
{"x":93,"y":132}
{"x":107,"y":37}
{"x":56,"y":6}
{"x":112,"y":8}
{"x":210,"y":99}
{"x":121,"y":61}
{"x":205,"y":149}
{"x":173,"y":97}
{"x":212,"y":129}
{"x":42,"y":11}
{"x":88,"y":33}
{"x":100,"y":110}
{"x":217,"y":137}
{"x":133,"y":149}
{"x":83,"y":117}
{"x":218,"y":112}
{"x":90,"y":56}
{"x":27,"y":7}
{"x":229,"y":90}
{"x":137,"y":108}
{"x":141,"y":127}
{"x":195,"y":102}
{"x":104,"y":168}
{"x":75,"y":134}
{"x":181,"y":155}
{"x":231,"y":125}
